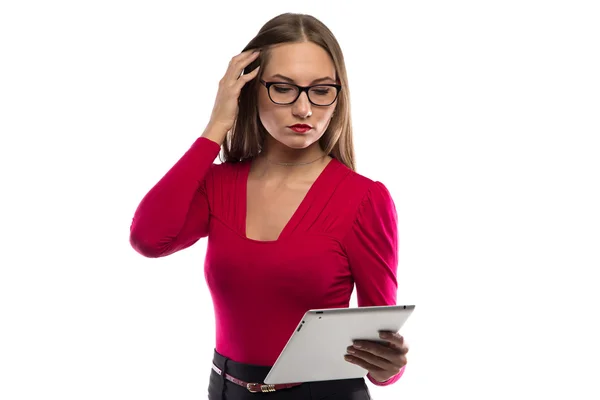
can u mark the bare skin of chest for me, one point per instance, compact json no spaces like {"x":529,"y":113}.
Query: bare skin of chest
{"x":270,"y":208}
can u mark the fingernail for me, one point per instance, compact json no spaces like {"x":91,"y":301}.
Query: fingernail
{"x":384,"y":335}
{"x":358,"y":346}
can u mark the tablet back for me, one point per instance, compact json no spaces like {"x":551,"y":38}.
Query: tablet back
{"x":316,"y":349}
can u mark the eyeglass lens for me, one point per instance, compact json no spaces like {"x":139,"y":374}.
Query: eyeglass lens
{"x":321,"y":95}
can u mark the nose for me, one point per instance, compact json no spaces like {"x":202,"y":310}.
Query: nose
{"x":302,"y":107}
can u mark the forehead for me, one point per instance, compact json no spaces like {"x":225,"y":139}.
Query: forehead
{"x":303,"y":62}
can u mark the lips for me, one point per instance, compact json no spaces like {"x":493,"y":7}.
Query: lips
{"x":301,"y":126}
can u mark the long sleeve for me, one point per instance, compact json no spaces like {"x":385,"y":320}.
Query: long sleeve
{"x":174,"y":214}
{"x":372,"y":249}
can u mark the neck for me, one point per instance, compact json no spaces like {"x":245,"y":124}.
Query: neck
{"x":284,"y":161}
{"x":279,"y":154}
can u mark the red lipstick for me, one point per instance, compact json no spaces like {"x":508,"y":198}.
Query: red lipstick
{"x":300,"y":128}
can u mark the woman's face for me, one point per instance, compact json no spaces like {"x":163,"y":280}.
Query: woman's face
{"x":303,"y":63}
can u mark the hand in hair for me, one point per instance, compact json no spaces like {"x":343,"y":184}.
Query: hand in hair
{"x":225,"y":109}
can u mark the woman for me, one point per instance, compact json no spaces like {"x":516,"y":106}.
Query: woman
{"x":290,"y":225}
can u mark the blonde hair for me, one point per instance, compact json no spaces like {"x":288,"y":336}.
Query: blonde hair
{"x":246,"y":137}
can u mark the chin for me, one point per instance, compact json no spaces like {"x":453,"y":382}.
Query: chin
{"x":298,"y":142}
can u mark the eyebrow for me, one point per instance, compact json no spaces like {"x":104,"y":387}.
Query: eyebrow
{"x":291,"y":80}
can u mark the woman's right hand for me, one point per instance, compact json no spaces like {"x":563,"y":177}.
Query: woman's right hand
{"x":226,"y":107}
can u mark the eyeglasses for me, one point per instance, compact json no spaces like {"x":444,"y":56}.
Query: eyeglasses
{"x":287,"y":93}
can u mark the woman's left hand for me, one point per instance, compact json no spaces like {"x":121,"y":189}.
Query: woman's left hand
{"x":383,"y":361}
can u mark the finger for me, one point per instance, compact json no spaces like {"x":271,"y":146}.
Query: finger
{"x":380,"y":362}
{"x":237,"y":65}
{"x":362,"y":363}
{"x":244,"y":56}
{"x":391,"y":354}
{"x":248,"y":77}
{"x":395,"y":339}
{"x":383,"y":350}
{"x":401,"y":350}
{"x":242,"y":64}
{"x":393,"y":364}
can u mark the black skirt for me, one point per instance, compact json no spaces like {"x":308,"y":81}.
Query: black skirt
{"x":221,"y":389}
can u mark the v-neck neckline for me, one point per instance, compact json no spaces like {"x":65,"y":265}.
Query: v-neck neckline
{"x":296,"y":215}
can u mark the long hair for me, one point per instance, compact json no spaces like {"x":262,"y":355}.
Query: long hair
{"x":246,"y":137}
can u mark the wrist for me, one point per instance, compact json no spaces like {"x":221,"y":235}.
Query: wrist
{"x":378,"y":380}
{"x":215,"y":132}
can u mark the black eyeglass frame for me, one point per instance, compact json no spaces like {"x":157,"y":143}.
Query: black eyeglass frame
{"x":300,"y":90}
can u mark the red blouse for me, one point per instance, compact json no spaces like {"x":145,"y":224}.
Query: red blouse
{"x":343,"y":233}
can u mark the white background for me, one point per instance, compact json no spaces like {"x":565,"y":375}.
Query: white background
{"x":481,"y":117}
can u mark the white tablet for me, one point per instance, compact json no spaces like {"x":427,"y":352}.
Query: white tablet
{"x":316,"y":349}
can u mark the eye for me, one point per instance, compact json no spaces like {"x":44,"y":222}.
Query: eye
{"x":283,"y":88}
{"x":321,"y":90}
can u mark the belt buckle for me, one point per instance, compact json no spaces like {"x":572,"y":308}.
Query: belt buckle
{"x":258,"y":388}
{"x":252,"y":387}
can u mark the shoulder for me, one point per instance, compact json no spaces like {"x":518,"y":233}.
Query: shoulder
{"x":372,"y":219}
{"x":360,"y":200}
{"x":361,"y":188}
